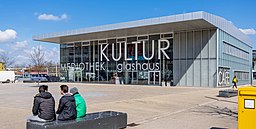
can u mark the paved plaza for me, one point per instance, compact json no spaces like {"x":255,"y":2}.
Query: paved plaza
{"x":148,"y":107}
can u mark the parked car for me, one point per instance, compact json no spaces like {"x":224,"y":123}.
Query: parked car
{"x":39,"y":77}
{"x":17,"y":77}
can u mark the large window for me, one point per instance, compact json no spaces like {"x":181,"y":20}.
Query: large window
{"x":241,"y":75}
{"x":235,"y":51}
{"x":145,"y":59}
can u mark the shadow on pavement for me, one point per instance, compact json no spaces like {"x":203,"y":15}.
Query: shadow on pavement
{"x":132,"y":124}
{"x":220,"y":99}
{"x":216,"y":110}
{"x":34,"y":86}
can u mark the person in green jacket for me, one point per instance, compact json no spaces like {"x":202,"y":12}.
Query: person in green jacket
{"x":80,"y":103}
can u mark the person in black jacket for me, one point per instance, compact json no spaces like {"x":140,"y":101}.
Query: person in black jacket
{"x":44,"y":106}
{"x":67,"y":105}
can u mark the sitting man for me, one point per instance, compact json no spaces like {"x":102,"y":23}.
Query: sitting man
{"x":67,"y":105}
{"x":80,"y":103}
{"x":44,"y":106}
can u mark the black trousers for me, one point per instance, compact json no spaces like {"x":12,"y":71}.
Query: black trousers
{"x":234,"y":85}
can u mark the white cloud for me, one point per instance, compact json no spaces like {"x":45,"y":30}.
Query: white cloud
{"x":20,"y":45}
{"x":2,"y":50}
{"x":22,"y":59}
{"x":52,"y":55}
{"x":7,"y":35}
{"x":248,"y":31}
{"x":20,"y":51}
{"x":51,"y":17}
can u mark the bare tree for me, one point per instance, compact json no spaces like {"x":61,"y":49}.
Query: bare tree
{"x":53,"y":68}
{"x":6,"y":59}
{"x":37,"y":57}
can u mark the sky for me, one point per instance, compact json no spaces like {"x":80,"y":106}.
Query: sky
{"x":21,"y":20}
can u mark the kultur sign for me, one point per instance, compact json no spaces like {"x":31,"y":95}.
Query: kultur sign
{"x":160,"y":50}
{"x":128,"y":66}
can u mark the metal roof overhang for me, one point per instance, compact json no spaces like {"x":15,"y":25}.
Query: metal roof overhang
{"x":172,"y":23}
{"x":126,"y":32}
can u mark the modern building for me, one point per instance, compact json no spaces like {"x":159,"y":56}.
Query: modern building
{"x":254,"y":64}
{"x":191,"y":49}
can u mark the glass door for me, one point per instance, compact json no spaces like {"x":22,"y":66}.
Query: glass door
{"x":154,"y":78}
{"x":130,"y":77}
{"x":78,"y":76}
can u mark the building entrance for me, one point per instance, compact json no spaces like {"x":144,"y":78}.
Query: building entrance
{"x":131,"y":77}
{"x":74,"y":75}
{"x":154,"y":78}
{"x":78,"y":76}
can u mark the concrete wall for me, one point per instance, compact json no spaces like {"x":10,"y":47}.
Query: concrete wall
{"x":194,"y":58}
{"x":233,"y":62}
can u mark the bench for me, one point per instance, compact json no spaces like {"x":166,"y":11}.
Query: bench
{"x":98,"y":120}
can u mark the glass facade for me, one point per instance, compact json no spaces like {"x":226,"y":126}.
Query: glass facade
{"x":235,"y":55}
{"x":144,"y":59}
{"x":241,"y":75}
{"x":235,"y":51}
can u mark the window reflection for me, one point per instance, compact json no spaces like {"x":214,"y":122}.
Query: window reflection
{"x":136,"y":70}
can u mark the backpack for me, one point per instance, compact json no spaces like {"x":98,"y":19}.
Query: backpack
{"x":234,"y":80}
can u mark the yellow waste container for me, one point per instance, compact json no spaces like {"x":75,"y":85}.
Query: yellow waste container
{"x":246,"y":108}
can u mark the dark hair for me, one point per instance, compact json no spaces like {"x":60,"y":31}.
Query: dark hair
{"x":64,"y":88}
{"x":43,"y":88}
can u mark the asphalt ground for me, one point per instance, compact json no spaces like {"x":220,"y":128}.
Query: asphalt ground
{"x":148,"y":107}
